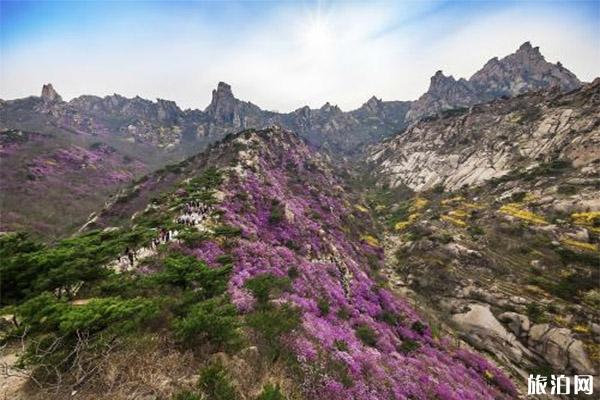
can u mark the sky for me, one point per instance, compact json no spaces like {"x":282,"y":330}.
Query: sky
{"x":279,"y":55}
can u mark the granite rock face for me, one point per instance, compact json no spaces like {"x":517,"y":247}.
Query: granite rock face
{"x":491,"y":140}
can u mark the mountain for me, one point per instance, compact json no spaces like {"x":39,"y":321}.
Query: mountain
{"x":144,"y":135}
{"x":91,"y":145}
{"x":467,"y":147}
{"x":491,"y":220}
{"x":524,"y":71}
{"x":271,"y":272}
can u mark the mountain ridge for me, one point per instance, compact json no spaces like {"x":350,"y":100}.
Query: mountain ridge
{"x":156,"y":133}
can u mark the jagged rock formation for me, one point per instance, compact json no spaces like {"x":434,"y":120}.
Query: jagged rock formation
{"x":524,"y":71}
{"x":225,"y":109}
{"x":49,"y":94}
{"x":490,"y":140}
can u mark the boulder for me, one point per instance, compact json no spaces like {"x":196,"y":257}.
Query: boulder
{"x":558,"y":347}
{"x":482,"y":330}
{"x":518,"y":323}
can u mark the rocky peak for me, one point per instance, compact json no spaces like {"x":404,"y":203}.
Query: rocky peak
{"x":223,"y":102}
{"x":49,"y":94}
{"x":439,"y":79}
{"x":373,"y":103}
{"x":328,"y":108}
{"x":523,"y":71}
{"x":167,"y":110}
{"x":223,"y":91}
{"x":520,"y":72}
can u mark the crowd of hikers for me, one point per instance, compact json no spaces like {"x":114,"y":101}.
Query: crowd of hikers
{"x":195,"y":213}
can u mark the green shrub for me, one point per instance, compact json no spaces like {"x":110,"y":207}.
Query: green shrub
{"x":225,"y":259}
{"x":408,"y":346}
{"x":214,"y":320}
{"x":518,"y":196}
{"x":215,"y":383}
{"x":277,"y":213}
{"x":343,"y":314}
{"x":271,"y":392}
{"x":62,"y":336}
{"x":273,"y":322}
{"x":366,"y":335}
{"x":569,"y":256}
{"x":341,"y":345}
{"x":323,"y":305}
{"x":418,"y":327}
{"x":475,"y":230}
{"x":262,"y":286}
{"x":227,"y":231}
{"x":535,"y":312}
{"x":45,"y":314}
{"x":29,"y":269}
{"x":188,"y":272}
{"x":388,"y":317}
{"x":192,"y":238}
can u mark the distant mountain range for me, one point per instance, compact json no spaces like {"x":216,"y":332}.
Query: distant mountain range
{"x":127,"y":137}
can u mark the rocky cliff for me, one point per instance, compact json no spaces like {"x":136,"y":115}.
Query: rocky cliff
{"x":467,"y":147}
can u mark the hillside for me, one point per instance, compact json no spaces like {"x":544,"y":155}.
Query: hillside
{"x":251,"y":263}
{"x":491,"y":219}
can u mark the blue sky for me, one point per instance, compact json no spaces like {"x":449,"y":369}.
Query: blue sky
{"x":279,"y":55}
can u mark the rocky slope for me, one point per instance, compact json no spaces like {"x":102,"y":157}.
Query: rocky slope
{"x":491,"y":217}
{"x":303,"y":292}
{"x":526,"y":70}
{"x":468,"y":147}
{"x":510,"y":266}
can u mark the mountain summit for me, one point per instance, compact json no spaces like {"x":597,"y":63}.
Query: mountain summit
{"x":224,"y":108}
{"x":49,"y":94}
{"x":523,"y":71}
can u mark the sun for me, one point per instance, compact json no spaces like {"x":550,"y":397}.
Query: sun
{"x":317,"y":34}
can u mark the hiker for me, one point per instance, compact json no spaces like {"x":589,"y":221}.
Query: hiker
{"x":129,"y":255}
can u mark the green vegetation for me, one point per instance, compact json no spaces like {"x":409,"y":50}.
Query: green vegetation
{"x":271,"y":392}
{"x":186,"y":395}
{"x":389,"y":317}
{"x":341,"y":345}
{"x":535,"y":313}
{"x":408,"y":346}
{"x":366,"y":334}
{"x":418,"y":327}
{"x":187,"y":272}
{"x":277,"y":213}
{"x":271,"y":323}
{"x":227,"y":231}
{"x":214,"y":320}
{"x":262,"y":286}
{"x":30,"y":269}
{"x":215,"y":383}
{"x":323,"y":305}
